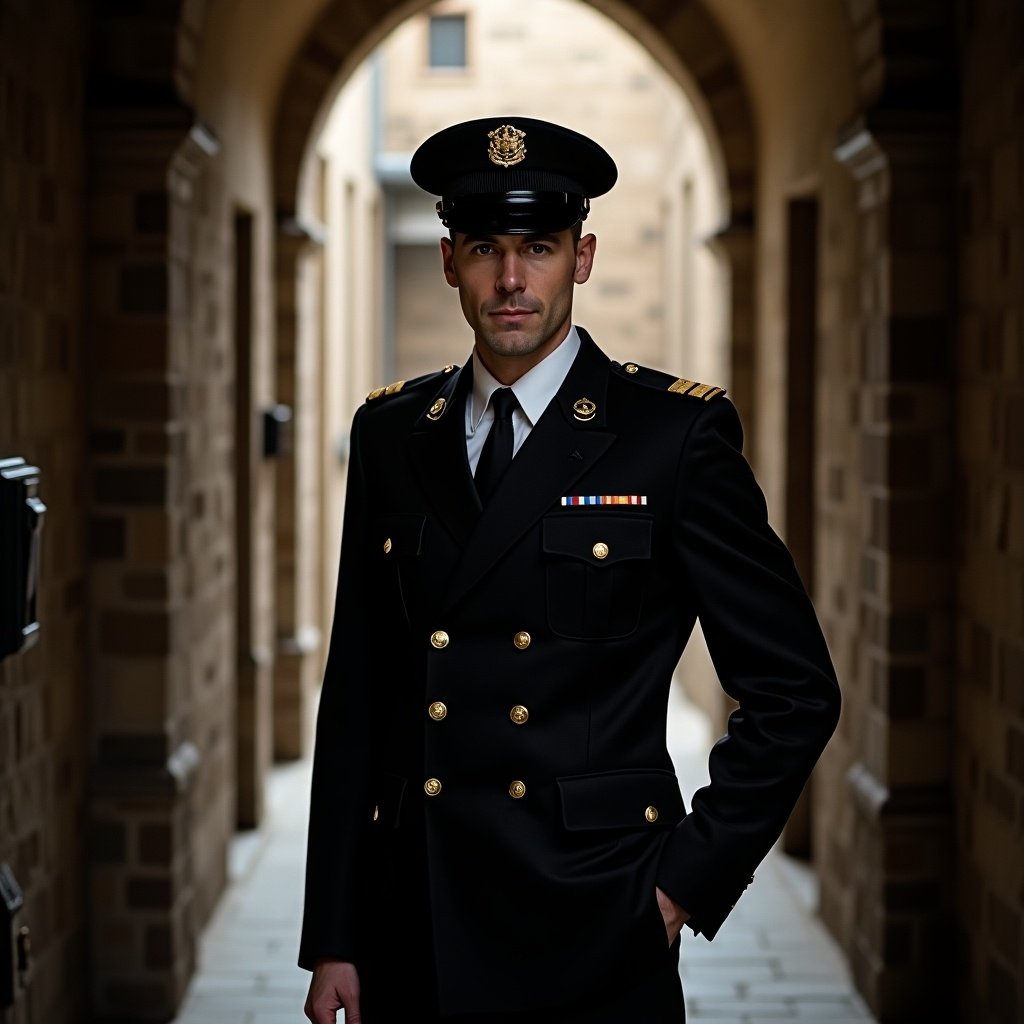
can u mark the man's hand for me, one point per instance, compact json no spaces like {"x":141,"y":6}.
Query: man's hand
{"x":673,"y":914}
{"x":334,"y":986}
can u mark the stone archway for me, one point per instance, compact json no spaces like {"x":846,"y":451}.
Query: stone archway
{"x":688,"y":43}
{"x":684,"y":37}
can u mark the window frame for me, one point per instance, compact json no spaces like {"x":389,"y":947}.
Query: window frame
{"x":444,"y":70}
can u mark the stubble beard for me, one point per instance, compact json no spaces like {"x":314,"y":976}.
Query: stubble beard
{"x":514,"y":341}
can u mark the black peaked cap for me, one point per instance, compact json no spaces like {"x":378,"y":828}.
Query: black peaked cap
{"x":512,"y":174}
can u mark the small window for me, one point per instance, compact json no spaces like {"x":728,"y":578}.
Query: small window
{"x":447,"y":34}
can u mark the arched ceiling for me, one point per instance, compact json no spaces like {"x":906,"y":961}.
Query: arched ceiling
{"x":291,"y":60}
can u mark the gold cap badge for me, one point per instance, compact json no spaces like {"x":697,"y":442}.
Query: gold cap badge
{"x":506,"y":147}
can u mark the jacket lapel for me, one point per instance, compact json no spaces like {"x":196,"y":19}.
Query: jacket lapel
{"x":559,"y":450}
{"x":437,"y":451}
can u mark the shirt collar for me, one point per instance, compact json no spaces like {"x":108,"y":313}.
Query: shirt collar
{"x":534,"y":390}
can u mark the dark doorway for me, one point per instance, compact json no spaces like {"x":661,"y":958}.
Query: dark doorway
{"x":248,"y":778}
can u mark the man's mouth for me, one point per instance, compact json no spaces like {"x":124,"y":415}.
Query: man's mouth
{"x":511,"y":313}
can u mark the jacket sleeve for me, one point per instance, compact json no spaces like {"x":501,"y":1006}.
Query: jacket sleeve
{"x":770,"y":656}
{"x":340,"y":774}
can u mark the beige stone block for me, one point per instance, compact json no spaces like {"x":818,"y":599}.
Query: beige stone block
{"x":1007,"y":170}
{"x":105,"y":886}
{"x":992,"y":837}
{"x":116,"y":944}
{"x":975,"y":422}
{"x":921,"y":283}
{"x":152,"y":537}
{"x":918,"y":754}
{"x":134,"y":696}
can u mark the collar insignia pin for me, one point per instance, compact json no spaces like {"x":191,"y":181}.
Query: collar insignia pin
{"x":435,"y":411}
{"x":584,"y":409}
{"x":506,"y":147}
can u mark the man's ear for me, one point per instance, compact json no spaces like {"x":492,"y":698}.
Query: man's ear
{"x":448,"y":262}
{"x":585,"y":249}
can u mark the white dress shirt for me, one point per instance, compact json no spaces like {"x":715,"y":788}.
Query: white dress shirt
{"x":533,"y":391}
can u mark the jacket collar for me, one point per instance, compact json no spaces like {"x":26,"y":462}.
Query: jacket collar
{"x":570,"y":436}
{"x":437,"y":451}
{"x":564,"y":444}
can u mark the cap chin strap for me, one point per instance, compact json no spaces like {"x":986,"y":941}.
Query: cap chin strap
{"x":513,"y":213}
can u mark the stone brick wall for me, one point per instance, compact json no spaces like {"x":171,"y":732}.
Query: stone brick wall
{"x":989,"y":741}
{"x":43,"y":703}
{"x":162,"y":579}
{"x":888,"y":492}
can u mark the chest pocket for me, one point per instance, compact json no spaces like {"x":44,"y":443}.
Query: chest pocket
{"x":596,"y":567}
{"x":398,"y":539}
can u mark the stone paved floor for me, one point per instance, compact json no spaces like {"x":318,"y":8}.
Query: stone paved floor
{"x":771,"y":961}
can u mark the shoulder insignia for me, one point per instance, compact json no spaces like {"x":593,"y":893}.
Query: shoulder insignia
{"x":389,"y":390}
{"x":660,"y":381}
{"x":695,"y":389}
{"x":398,"y":385}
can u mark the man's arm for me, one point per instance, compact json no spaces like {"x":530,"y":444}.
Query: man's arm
{"x":771,"y":658}
{"x":338,"y":799}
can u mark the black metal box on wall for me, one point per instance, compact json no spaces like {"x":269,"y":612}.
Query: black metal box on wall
{"x":21,"y":522}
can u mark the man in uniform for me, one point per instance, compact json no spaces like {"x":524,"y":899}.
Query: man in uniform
{"x":496,"y":831}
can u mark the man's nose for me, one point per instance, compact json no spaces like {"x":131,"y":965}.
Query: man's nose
{"x":511,"y":277}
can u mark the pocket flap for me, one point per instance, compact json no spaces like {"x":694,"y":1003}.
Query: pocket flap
{"x":635,"y":798}
{"x":598,"y":540}
{"x":399,"y":534}
{"x":386,"y":794}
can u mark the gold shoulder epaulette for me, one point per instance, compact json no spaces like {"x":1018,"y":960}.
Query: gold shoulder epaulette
{"x":695,"y":389}
{"x":389,"y":390}
{"x":393,"y":389}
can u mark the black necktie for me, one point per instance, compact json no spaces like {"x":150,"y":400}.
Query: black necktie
{"x":496,"y":456}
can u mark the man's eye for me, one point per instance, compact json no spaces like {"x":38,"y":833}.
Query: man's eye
{"x":538,"y":249}
{"x":483,"y":250}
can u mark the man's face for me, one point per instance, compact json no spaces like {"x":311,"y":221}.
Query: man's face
{"x":516,"y":290}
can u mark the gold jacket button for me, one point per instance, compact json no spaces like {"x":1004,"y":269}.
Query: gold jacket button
{"x":387,"y":546}
{"x":600,"y":549}
{"x":376,"y":813}
{"x":432,"y":787}
{"x":522,"y":640}
{"x":519,"y":714}
{"x":651,"y":814}
{"x":517,"y":790}
{"x":439,"y":639}
{"x":631,"y":368}
{"x":437,"y":710}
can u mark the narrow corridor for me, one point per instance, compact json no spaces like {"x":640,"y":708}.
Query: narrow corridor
{"x":772,"y":961}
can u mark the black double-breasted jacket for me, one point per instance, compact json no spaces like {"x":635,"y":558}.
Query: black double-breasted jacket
{"x":492,"y":721}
